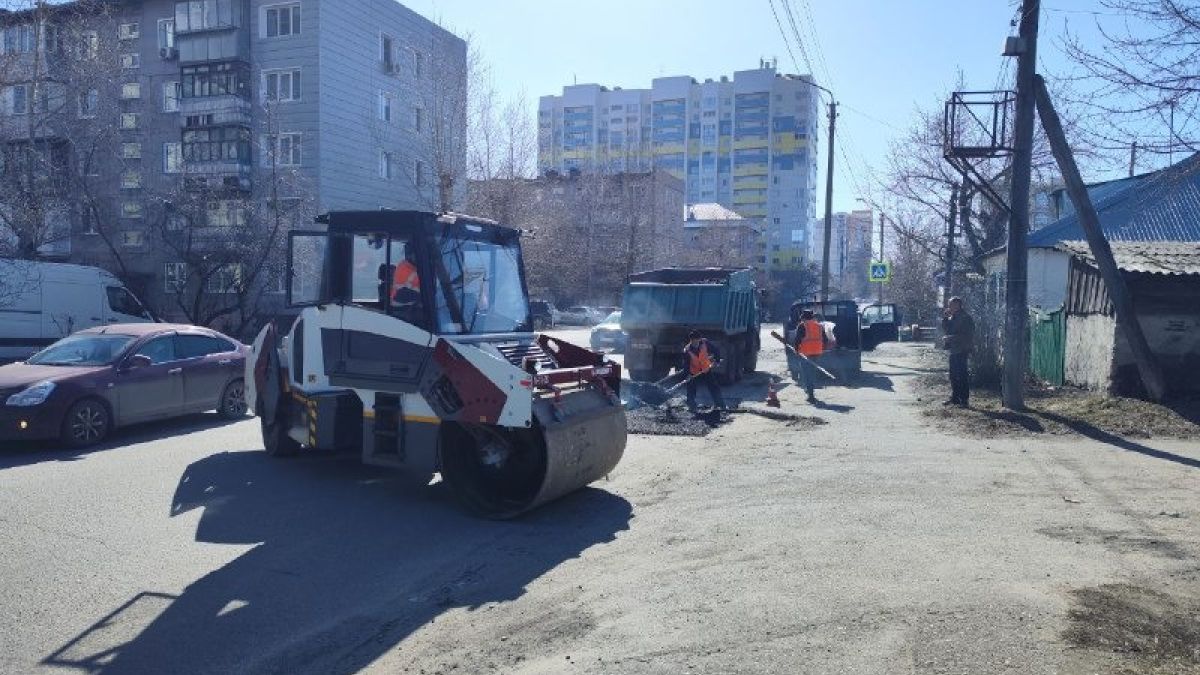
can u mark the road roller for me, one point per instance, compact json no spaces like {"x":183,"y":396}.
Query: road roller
{"x":412,"y":344}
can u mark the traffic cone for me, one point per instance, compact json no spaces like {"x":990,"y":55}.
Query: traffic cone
{"x":772,"y":397}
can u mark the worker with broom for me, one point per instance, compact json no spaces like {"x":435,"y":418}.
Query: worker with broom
{"x":810,"y":342}
{"x":699,"y":358}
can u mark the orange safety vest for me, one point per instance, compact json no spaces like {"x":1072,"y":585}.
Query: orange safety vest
{"x":700,"y":361}
{"x":813,"y":342}
{"x":405,"y":276}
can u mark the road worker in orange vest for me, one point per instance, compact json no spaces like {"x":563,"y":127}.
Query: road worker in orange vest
{"x":406,"y":287}
{"x":811,"y":341}
{"x":700,"y":357}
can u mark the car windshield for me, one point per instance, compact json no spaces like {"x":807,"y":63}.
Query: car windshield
{"x":479,"y":286}
{"x":82,"y":350}
{"x":615,"y":317}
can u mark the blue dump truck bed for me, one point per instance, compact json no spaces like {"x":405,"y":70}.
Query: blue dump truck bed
{"x":661,"y":307}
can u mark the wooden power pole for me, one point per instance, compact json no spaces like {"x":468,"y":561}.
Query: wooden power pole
{"x":950,"y":222}
{"x":828,"y":205}
{"x":1152,"y":376}
{"x":1016,"y":347}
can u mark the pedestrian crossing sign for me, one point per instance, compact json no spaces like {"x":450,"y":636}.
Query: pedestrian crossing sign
{"x":880,"y":272}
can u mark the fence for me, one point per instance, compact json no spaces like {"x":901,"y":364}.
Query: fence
{"x":1047,"y":345}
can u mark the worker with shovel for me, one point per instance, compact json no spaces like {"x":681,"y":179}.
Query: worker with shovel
{"x":699,"y":358}
{"x":810,"y":342}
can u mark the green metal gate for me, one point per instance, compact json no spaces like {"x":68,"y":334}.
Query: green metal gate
{"x":1047,"y":345}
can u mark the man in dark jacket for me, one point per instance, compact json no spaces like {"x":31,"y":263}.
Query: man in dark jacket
{"x":700,"y":357}
{"x":958,"y":337}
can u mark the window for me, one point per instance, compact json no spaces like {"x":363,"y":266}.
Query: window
{"x":226,"y":213}
{"x":200,"y":15}
{"x":89,"y":44}
{"x":284,"y":148}
{"x":282,"y":85}
{"x":131,"y":150}
{"x":51,"y":40}
{"x":385,"y":53}
{"x":89,"y":102}
{"x":166,"y":33}
{"x":129,"y":120}
{"x":131,"y":90}
{"x":386,"y":162}
{"x":131,"y":180}
{"x":132,"y":238}
{"x":18,"y":99}
{"x":216,"y":144}
{"x":172,"y":157}
{"x":419,"y":173}
{"x":131,"y":60}
{"x":226,"y":279}
{"x":418,"y":119}
{"x":131,"y":210}
{"x":174,"y":276}
{"x":418,"y":63}
{"x":195,"y":346}
{"x":214,"y":79}
{"x":282,"y":20}
{"x":385,"y":106}
{"x":170,"y":97}
{"x":159,"y":350}
{"x":129,"y":31}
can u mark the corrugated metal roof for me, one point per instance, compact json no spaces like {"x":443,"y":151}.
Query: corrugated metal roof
{"x":1163,"y":206}
{"x":1160,"y":257}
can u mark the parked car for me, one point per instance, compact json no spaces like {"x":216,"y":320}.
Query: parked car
{"x":42,"y":302}
{"x":608,"y":334}
{"x":544,"y":314}
{"x":579,"y":315}
{"x":606,"y":311}
{"x":85,"y":385}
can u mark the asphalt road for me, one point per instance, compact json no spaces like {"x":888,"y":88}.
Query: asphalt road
{"x":870,"y":544}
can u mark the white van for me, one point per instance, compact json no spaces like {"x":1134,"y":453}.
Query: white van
{"x":42,"y":302}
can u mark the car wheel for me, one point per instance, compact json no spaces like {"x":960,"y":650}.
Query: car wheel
{"x":87,"y":422}
{"x":233,"y":401}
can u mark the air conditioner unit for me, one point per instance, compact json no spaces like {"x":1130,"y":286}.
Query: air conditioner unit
{"x":168,"y":53}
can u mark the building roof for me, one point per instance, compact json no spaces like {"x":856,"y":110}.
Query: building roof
{"x":1180,"y":258}
{"x":710,"y":211}
{"x":1161,"y":206}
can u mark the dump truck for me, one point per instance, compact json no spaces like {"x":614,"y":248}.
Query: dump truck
{"x":414,"y":346}
{"x":662,"y":306}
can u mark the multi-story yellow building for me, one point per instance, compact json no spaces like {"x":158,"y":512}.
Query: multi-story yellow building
{"x":747,"y":142}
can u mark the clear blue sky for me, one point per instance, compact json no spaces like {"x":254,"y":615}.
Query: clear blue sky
{"x":884,"y":57}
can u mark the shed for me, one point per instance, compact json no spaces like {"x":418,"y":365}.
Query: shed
{"x":1164,"y":282}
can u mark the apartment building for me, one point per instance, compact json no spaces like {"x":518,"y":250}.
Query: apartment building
{"x":192,"y":116}
{"x":747,"y":142}
{"x":849,"y":251}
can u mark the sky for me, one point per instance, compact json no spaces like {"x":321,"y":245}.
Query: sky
{"x":882,"y":58}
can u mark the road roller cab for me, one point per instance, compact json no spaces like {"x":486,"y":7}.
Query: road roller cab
{"x":414,"y":346}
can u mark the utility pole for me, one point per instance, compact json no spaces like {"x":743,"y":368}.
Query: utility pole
{"x":828,"y":205}
{"x":1016,"y":349}
{"x":950,"y":222}
{"x":1114,"y":283}
{"x":881,"y":256}
{"x":1132,"y":158}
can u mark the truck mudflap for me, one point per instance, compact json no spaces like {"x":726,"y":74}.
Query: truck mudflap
{"x":578,"y":437}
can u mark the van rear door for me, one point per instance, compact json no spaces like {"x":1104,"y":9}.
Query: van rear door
{"x":20,"y":310}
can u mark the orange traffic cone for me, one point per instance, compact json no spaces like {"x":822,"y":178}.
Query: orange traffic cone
{"x":772,"y":398}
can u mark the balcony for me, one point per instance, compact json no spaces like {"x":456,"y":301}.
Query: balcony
{"x":229,"y":176}
{"x":227,"y":109}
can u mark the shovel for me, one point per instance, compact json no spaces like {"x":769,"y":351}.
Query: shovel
{"x":654,"y":394}
{"x":792,"y":349}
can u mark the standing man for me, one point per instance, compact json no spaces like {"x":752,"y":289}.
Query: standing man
{"x":958,"y":337}
{"x":699,"y":358}
{"x":810,"y":342}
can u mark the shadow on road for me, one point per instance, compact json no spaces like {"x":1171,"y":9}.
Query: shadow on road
{"x":349,"y":561}
{"x":832,"y":407}
{"x":36,"y":452}
{"x":1097,"y":434}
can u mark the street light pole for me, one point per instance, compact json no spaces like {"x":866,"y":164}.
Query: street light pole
{"x":881,"y":255}
{"x":828,"y":203}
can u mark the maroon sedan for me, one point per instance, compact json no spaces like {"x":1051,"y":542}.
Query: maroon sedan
{"x":83,"y":386}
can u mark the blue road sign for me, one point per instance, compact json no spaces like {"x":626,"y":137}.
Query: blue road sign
{"x":880,"y":272}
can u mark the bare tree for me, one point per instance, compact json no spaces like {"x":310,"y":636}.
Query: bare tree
{"x":1143,"y":80}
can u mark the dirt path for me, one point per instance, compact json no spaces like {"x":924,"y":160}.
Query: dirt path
{"x":870,"y":544}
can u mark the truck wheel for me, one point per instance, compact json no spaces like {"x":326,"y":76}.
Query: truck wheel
{"x":276,"y":441}
{"x":751,"y":361}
